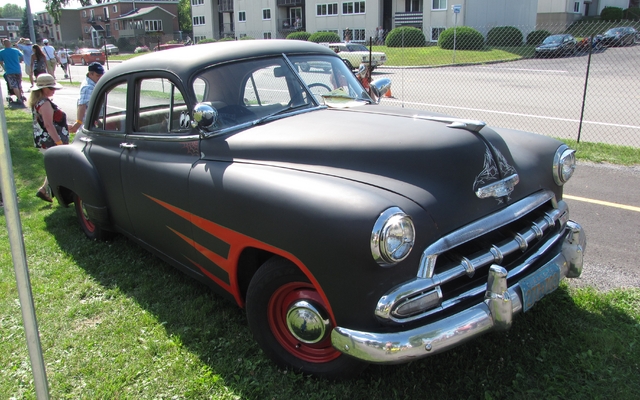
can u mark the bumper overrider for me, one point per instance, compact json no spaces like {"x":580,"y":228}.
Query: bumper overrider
{"x":496,"y":312}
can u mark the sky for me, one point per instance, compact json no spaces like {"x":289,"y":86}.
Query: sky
{"x":36,"y":5}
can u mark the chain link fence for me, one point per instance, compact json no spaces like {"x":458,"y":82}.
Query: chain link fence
{"x":579,"y":81}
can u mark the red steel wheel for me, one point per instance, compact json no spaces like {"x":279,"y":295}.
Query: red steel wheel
{"x":289,"y":319}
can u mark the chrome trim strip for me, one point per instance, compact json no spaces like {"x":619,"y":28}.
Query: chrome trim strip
{"x":493,"y":313}
{"x":498,"y":189}
{"x":460,"y":123}
{"x":164,"y":137}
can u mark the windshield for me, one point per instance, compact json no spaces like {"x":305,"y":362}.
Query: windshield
{"x":258,"y":90}
{"x":614,"y":31}
{"x":553,"y":40}
{"x":330,"y":81}
{"x":356,"y":47}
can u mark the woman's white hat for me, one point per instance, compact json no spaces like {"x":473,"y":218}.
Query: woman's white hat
{"x":46,"y":81}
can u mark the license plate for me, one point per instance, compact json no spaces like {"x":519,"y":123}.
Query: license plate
{"x":542,"y":282}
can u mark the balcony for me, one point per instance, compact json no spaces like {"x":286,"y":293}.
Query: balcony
{"x":408,"y":19}
{"x":225,"y":6}
{"x":290,"y":25}
{"x":289,"y":3}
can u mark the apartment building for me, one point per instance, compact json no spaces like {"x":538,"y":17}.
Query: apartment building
{"x":10,"y":28}
{"x":563,"y":12}
{"x":266,"y":19}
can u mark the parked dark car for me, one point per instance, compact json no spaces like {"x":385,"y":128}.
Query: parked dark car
{"x":352,"y":232}
{"x":556,"y":45}
{"x":620,"y":36}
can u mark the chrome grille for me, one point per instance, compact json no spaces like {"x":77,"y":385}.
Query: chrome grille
{"x":456,"y":266}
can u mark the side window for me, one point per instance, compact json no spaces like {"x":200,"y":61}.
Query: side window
{"x":112,"y":110}
{"x":160,"y":107}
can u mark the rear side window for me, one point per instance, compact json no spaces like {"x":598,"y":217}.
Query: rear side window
{"x":160,"y":107}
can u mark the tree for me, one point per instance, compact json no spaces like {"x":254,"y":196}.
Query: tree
{"x":184,"y":16}
{"x":12,"y":11}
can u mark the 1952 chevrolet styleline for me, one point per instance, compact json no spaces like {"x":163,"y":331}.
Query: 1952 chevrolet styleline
{"x":352,"y":233}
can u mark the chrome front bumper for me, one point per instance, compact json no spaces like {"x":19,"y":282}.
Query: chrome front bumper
{"x":494,"y":313}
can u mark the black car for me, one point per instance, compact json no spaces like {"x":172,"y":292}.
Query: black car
{"x":352,"y":232}
{"x":620,"y":36}
{"x":557,"y":45}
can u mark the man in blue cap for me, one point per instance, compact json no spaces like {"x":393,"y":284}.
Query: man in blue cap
{"x":86,"y":88}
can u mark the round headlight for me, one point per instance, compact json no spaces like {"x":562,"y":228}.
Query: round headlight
{"x":392,"y":237}
{"x":564,"y":163}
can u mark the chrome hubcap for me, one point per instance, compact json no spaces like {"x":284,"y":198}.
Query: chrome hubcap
{"x":306,"y":323}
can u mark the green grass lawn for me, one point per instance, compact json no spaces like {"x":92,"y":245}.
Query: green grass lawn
{"x":117,"y":323}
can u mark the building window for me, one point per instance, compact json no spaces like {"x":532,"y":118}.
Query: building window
{"x":153,"y":25}
{"x":242,"y":16}
{"x":107,"y":29}
{"x":576,"y":6}
{"x":198,"y":20}
{"x":1,"y":27}
{"x":86,"y":29}
{"x":435,"y":33}
{"x":116,"y":26}
{"x":197,"y":2}
{"x":266,"y":13}
{"x":353,"y":7}
{"x":266,"y":35}
{"x":439,"y":5}
{"x":413,"y":5}
{"x":115,"y":8}
{"x":326,"y":9}
{"x":84,"y":14}
{"x":359,"y":35}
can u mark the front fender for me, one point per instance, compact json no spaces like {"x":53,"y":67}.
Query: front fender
{"x":324,"y":223}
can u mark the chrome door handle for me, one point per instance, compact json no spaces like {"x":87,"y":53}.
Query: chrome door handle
{"x":127,"y":146}
{"x":85,"y":139}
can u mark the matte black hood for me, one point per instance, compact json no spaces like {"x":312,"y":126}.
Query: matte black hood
{"x":436,"y":166}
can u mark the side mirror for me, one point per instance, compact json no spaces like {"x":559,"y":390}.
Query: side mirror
{"x":204,"y":116}
{"x":379,"y":87}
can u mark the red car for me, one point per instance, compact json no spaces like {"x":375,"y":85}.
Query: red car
{"x":167,"y":46}
{"x":86,"y":56}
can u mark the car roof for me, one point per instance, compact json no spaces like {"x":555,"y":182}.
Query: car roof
{"x":213,"y":53}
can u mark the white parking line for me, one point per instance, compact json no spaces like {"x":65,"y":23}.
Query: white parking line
{"x":515,"y":114}
{"x":602,"y":203}
{"x":558,"y":71}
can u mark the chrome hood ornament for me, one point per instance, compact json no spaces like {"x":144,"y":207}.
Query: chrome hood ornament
{"x":487,"y":183}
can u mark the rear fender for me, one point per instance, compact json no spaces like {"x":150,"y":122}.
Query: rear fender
{"x":69,"y":171}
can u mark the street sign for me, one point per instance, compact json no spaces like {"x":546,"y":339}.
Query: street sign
{"x":456,"y":8}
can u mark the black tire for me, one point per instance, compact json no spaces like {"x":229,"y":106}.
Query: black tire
{"x":276,"y":286}
{"x":91,"y":230}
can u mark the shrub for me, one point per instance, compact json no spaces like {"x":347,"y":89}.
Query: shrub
{"x":207,"y":40}
{"x":504,"y":36}
{"x":405,"y":36}
{"x":534,"y":38}
{"x":466,"y":39}
{"x":247,"y":38}
{"x":302,"y":35}
{"x":611,"y":14}
{"x":123,"y":44}
{"x":227,"y":39}
{"x":141,"y":49}
{"x":323,"y":37}
{"x":632,"y":14}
